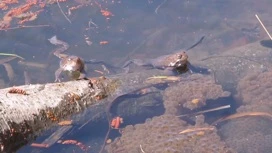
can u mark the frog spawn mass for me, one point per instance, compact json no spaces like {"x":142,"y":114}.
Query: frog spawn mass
{"x":192,"y":93}
{"x":163,"y":134}
{"x":168,"y":133}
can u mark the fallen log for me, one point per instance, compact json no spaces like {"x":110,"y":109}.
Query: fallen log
{"x":28,"y":110}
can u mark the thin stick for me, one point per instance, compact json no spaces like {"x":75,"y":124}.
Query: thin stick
{"x":243,"y":114}
{"x":63,"y":12}
{"x":263,"y":27}
{"x":142,"y":149}
{"x":156,"y":10}
{"x":197,"y":129}
{"x":206,"y":111}
{"x":92,"y":23}
{"x":39,"y":145}
{"x":20,"y":27}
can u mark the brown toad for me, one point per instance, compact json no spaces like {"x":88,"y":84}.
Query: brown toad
{"x":74,"y":66}
{"x":177,"y":61}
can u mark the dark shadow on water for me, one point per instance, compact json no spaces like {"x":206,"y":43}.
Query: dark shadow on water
{"x":266,"y":43}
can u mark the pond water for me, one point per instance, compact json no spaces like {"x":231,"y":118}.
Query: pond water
{"x":144,"y":29}
{"x":118,"y":30}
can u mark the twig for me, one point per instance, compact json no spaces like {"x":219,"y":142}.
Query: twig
{"x":206,"y":111}
{"x":92,"y":23}
{"x":142,"y":149}
{"x":244,"y":114}
{"x":106,"y":137}
{"x":39,"y":145}
{"x":63,"y":12}
{"x":156,"y":10}
{"x":263,"y":27}
{"x":20,"y":27}
{"x":197,"y":129}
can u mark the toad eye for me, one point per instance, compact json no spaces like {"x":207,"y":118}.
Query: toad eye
{"x":179,"y":56}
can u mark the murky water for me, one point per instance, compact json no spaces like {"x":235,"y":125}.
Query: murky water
{"x":142,"y":29}
{"x":132,"y":29}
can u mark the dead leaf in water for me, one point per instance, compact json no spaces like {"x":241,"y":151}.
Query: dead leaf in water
{"x":244,"y":114}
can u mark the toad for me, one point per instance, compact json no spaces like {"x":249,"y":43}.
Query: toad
{"x":177,"y":61}
{"x":74,"y":66}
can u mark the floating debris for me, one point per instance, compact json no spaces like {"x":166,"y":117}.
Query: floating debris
{"x":245,"y":114}
{"x":17,"y":91}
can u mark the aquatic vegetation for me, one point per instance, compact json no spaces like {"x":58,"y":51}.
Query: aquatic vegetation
{"x":16,"y":12}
